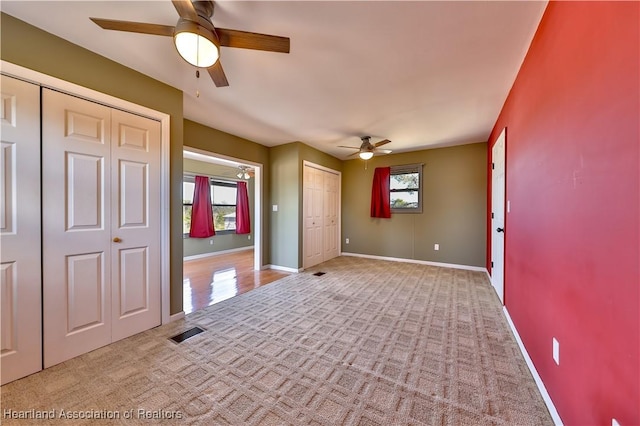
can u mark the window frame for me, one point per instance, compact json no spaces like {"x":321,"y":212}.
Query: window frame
{"x":407,"y":169}
{"x":213,"y":181}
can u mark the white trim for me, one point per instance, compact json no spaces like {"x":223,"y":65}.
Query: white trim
{"x":216,"y":253}
{"x":319,"y":167}
{"x":421,"y":262}
{"x":73,"y":89}
{"x":258,"y":195}
{"x":543,"y":390}
{"x":283,"y":268}
{"x":176,"y":317}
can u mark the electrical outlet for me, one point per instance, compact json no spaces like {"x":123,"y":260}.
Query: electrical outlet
{"x":346,"y":241}
{"x":275,"y":207}
{"x":556,"y":351}
{"x":248,"y":237}
{"x":436,"y":246}
{"x":210,"y":242}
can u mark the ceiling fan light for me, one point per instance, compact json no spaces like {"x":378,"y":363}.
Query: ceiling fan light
{"x":239,"y":174}
{"x":197,"y":45}
{"x":366,"y":155}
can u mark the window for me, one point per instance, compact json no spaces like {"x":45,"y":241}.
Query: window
{"x":223,"y":198}
{"x":405,"y":189}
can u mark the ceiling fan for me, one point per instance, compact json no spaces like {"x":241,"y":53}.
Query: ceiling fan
{"x":196,"y":39}
{"x":367,"y":150}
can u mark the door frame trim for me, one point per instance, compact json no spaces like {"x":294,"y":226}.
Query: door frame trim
{"x":73,"y":89}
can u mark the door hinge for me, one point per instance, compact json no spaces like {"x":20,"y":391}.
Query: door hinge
{"x":492,"y":264}
{"x":493,"y":166}
{"x":492,"y":216}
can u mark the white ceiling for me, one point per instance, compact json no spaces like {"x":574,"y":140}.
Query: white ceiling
{"x":421,"y":73}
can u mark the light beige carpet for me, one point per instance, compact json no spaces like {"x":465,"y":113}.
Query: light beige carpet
{"x":369,"y":343}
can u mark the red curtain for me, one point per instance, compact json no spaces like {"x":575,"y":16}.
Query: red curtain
{"x":201,"y":211}
{"x":380,"y":203}
{"x":243,"y":223}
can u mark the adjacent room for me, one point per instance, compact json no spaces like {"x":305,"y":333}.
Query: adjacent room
{"x":328,"y":212}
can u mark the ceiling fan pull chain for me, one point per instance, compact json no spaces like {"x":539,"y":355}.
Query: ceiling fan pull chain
{"x":197,"y":83}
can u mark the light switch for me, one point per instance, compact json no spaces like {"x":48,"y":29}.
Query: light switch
{"x":275,"y":207}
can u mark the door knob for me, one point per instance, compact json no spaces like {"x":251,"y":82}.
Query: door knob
{"x":500,"y":230}
{"x":117,"y":240}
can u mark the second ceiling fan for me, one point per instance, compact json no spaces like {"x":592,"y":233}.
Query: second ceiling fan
{"x":198,"y":42}
{"x":366,"y":150}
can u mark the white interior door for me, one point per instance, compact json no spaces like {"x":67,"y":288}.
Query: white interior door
{"x":330,"y":206}
{"x":497,"y":215}
{"x":313,"y":190}
{"x":76,"y":226}
{"x":135,"y":223}
{"x":101,"y":183}
{"x":20,"y":275}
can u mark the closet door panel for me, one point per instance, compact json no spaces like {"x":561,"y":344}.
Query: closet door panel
{"x":312,"y":216}
{"x":76,"y":226}
{"x":20,"y":274}
{"x":330,"y":203}
{"x":135,"y":225}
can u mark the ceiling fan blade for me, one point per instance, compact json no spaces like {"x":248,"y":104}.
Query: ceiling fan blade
{"x":217,"y":75}
{"x":384,"y":142}
{"x":185,"y":9}
{"x":354,"y":154}
{"x":383,"y":151}
{"x":350,"y":147}
{"x":255,"y":41}
{"x":134,"y":27}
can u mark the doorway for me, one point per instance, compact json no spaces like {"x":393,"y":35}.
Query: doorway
{"x":224,"y":173}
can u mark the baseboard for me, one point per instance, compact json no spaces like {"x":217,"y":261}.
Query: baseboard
{"x":421,"y":262}
{"x":543,"y":390}
{"x":216,"y":253}
{"x":283,"y":268}
{"x":176,"y":317}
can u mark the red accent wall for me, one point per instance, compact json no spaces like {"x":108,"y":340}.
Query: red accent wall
{"x":572,"y":266}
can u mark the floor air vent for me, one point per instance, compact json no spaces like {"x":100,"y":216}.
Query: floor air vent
{"x":179,"y":338}
{"x":319,"y":274}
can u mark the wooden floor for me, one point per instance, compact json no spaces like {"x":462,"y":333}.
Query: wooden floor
{"x":214,"y":279}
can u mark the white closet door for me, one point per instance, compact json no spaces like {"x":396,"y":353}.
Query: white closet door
{"x":20,"y":277}
{"x":330,"y":222}
{"x":76,"y":226}
{"x":313,"y":216}
{"x":135,"y":223}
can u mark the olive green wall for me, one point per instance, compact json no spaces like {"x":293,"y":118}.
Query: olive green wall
{"x":30,"y":47}
{"x":285,"y":179}
{"x":221,"y":242}
{"x":454,"y":208}
{"x":286,"y":191}
{"x":215,"y":141}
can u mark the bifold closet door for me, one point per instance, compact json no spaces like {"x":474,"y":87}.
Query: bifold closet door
{"x":20,"y":277}
{"x":313,"y":190}
{"x":321,"y":210}
{"x":101,"y":228}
